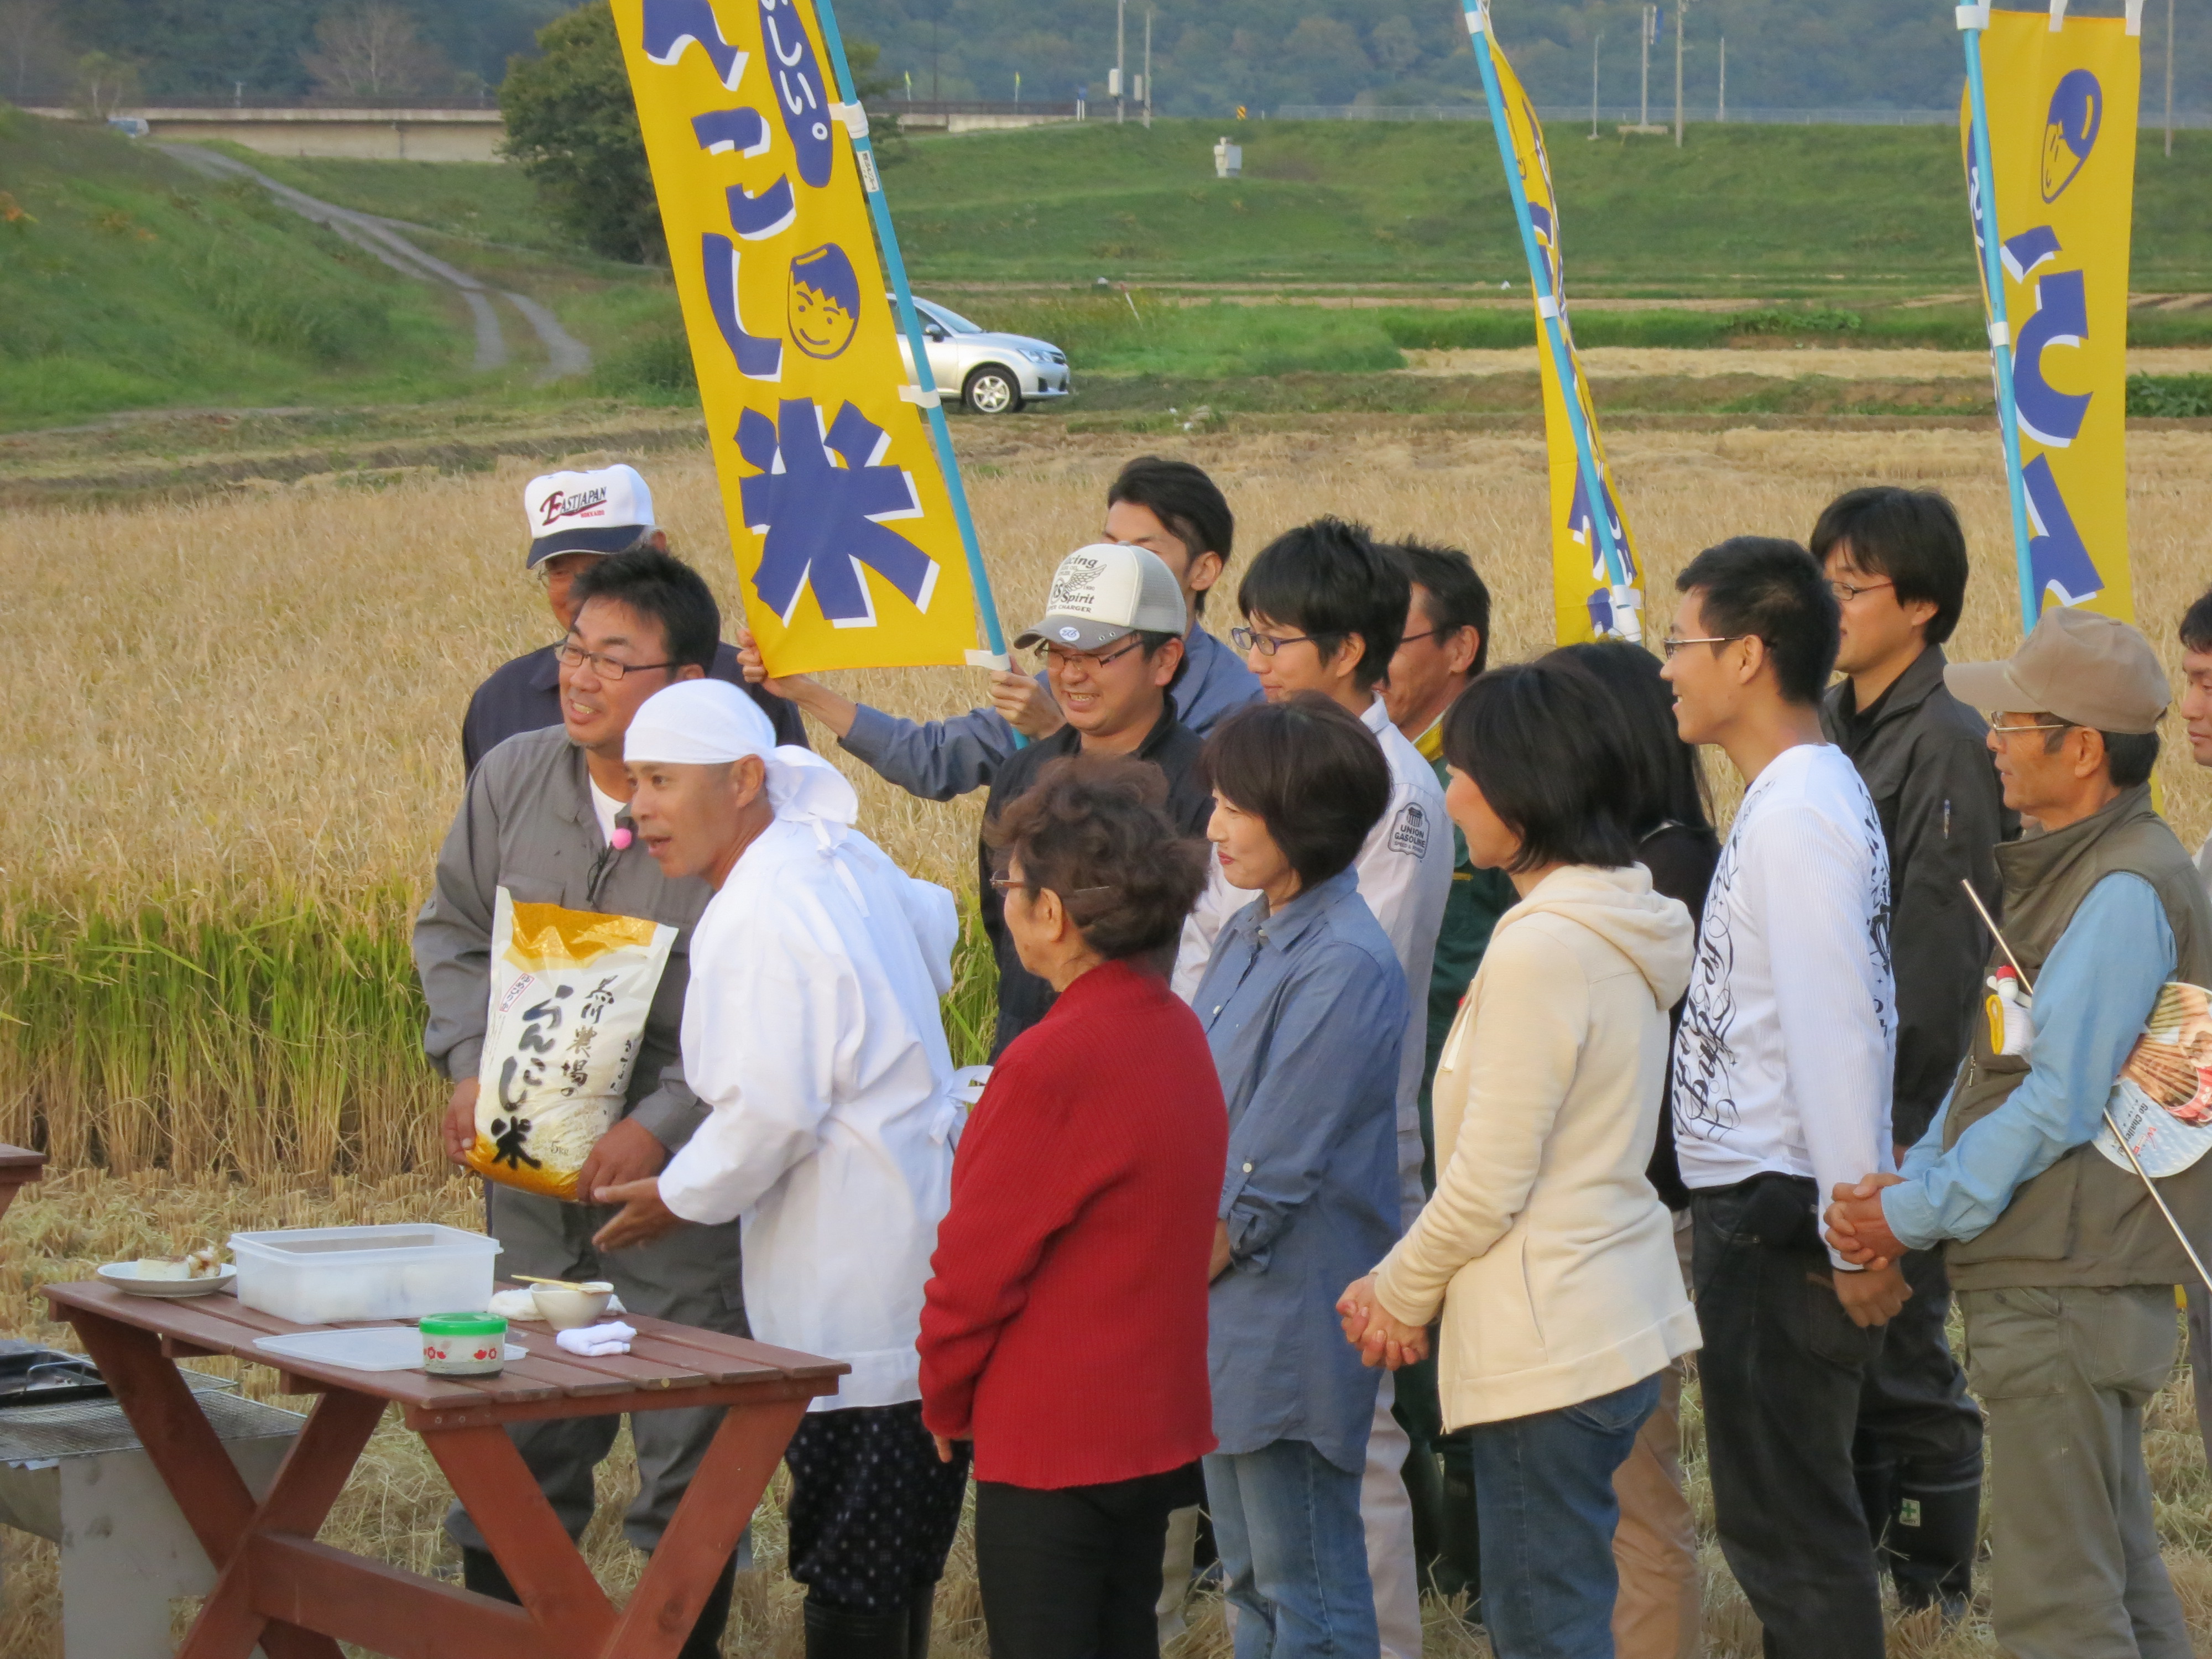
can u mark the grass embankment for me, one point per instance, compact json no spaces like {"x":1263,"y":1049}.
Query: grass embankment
{"x":1738,"y":210}
{"x":127,"y":281}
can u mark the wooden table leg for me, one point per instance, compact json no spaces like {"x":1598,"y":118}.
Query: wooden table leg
{"x":188,"y":1455}
{"x":313,"y":1476}
{"x":703,"y":1533}
{"x":505,"y":1501}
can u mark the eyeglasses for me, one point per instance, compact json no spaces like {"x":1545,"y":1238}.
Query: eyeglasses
{"x":571,"y":655}
{"x":1064,"y":660}
{"x":1425,"y":633}
{"x":2032,"y":726}
{"x":1845,"y":592}
{"x":1265,"y":644}
{"x":1003,"y":885}
{"x":1671,"y":645}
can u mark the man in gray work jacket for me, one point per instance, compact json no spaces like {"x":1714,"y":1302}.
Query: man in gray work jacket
{"x":1897,"y":559}
{"x":545,"y":818}
{"x":1170,"y":509}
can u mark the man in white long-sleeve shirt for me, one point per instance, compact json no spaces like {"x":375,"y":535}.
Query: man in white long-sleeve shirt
{"x":812,"y":1034}
{"x":1324,"y":609}
{"x":1782,"y":1071}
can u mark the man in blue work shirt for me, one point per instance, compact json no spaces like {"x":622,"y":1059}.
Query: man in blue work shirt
{"x":1170,"y":508}
{"x":577,"y":519}
{"x":2062,"y":1264}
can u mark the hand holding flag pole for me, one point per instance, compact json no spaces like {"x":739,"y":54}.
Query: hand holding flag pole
{"x":2150,"y":1186}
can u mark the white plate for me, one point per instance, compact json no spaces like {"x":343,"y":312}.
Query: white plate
{"x":123,"y":1275}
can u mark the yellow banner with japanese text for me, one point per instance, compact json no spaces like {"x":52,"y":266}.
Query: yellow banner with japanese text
{"x":845,"y":536}
{"x":2062,"y":113}
{"x":1582,"y":590}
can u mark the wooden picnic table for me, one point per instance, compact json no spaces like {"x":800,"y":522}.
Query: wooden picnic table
{"x":275,"y":1585}
{"x":18,"y":1167}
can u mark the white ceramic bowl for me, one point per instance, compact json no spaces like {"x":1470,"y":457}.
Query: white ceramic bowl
{"x":567,"y":1310}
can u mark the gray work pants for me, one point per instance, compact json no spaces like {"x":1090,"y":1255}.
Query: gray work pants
{"x":2063,"y":1375}
{"x":691,"y":1276}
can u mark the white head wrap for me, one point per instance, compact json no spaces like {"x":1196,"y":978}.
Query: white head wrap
{"x":707,"y":722}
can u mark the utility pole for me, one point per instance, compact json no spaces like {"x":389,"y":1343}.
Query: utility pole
{"x":2169,"y":78}
{"x":1596,"y":40}
{"x":1723,"y":109}
{"x":1121,"y":58}
{"x":1681,"y":29}
{"x":933,"y":97}
{"x":1146,"y":89}
{"x":1650,"y":29}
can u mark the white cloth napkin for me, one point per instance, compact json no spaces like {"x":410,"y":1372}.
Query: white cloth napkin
{"x":592,"y":1340}
{"x":514,"y":1305}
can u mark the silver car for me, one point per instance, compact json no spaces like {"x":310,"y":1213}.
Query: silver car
{"x":992,"y":373}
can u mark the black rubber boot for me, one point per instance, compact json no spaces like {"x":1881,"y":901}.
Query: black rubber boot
{"x":1932,"y":1544}
{"x":705,"y":1641}
{"x":1458,"y":1540}
{"x":482,"y":1574}
{"x":843,"y":1633}
{"x":918,"y":1622}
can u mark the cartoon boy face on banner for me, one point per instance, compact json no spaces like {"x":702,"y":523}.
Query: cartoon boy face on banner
{"x":837,"y":509}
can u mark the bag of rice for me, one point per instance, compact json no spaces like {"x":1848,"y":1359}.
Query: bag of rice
{"x":570,"y":991}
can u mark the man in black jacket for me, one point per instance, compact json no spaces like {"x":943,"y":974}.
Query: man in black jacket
{"x":1898,"y":561}
{"x":1111,"y":638}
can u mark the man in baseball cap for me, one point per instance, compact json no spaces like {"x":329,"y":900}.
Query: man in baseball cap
{"x":577,"y":519}
{"x":1110,"y":641}
{"x":2063,"y":1265}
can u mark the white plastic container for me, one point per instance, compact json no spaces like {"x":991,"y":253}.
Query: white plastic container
{"x":325,"y":1275}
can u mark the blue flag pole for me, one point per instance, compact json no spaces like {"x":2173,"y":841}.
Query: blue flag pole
{"x":1618,"y":572}
{"x":855,"y":121}
{"x":1981,"y":192}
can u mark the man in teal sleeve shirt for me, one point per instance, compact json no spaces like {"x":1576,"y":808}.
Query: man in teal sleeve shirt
{"x":2063,"y":1265}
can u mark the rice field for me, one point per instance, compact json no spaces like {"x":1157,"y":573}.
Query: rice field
{"x":237,"y":747}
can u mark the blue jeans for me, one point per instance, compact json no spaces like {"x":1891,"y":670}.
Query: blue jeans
{"x":1543,"y":1495}
{"x":1286,"y":1522}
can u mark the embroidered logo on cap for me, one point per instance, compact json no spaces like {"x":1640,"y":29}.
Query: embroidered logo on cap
{"x":1070,"y":633}
{"x":557,"y":506}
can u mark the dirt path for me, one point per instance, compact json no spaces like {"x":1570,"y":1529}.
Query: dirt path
{"x":565,"y":355}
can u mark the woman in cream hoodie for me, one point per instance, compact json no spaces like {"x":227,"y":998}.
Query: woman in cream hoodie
{"x":1545,"y":1249}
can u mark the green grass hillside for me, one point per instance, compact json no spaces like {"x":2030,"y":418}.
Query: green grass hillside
{"x":127,"y":281}
{"x":1739,"y":209}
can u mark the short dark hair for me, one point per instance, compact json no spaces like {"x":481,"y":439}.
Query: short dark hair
{"x":1093,"y":828}
{"x":662,"y":586}
{"x":1309,"y":770}
{"x":1456,"y":597}
{"x":1182,"y":497}
{"x":1767,"y":587}
{"x":2196,"y":623}
{"x":1544,"y":744}
{"x":1911,"y":537}
{"x":2129,"y":756}
{"x":1330,"y":581}
{"x":1665,"y":779}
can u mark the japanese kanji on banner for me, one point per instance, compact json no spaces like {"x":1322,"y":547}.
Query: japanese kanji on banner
{"x":2062,"y":114}
{"x":1582,"y":588}
{"x":845,"y":536}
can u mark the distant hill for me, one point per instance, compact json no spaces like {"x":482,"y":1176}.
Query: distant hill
{"x":1209,"y":56}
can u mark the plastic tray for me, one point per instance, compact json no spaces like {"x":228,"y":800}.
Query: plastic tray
{"x":329,"y":1275}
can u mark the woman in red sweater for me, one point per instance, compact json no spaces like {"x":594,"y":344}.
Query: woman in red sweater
{"x":1065,"y":1327}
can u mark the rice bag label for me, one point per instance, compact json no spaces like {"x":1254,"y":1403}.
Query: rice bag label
{"x":570,"y":992}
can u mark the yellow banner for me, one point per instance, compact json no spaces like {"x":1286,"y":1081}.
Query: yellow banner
{"x":1581,"y":589}
{"x":844,"y":534}
{"x":2062,"y":113}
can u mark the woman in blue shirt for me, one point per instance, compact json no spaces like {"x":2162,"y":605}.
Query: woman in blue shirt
{"x":1304,"y":1008}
